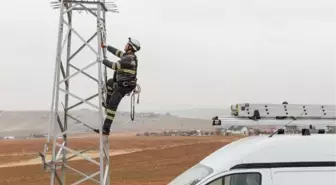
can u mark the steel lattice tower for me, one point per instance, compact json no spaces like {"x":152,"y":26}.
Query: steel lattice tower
{"x":59,"y":132}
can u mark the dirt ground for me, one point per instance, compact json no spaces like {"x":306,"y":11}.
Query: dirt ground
{"x":134,"y":160}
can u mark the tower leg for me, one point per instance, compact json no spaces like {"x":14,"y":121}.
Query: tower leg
{"x":67,"y":88}
{"x":103,"y":139}
{"x":54,"y":174}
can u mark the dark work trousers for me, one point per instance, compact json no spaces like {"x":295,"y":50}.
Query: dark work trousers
{"x":114,"y":98}
{"x":110,"y":86}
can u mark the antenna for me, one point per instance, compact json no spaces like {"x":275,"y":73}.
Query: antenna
{"x":285,"y":125}
{"x":60,"y":129}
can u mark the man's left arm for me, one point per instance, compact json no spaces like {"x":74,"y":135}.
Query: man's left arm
{"x":112,"y":65}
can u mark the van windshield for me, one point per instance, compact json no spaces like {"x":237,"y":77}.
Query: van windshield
{"x":193,"y":175}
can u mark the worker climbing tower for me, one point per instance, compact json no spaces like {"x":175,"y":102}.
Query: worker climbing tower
{"x":76,"y":18}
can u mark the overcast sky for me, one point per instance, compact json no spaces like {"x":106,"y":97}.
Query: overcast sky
{"x":195,"y":54}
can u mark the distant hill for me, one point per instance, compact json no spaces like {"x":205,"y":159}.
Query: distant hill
{"x":17,"y":123}
{"x":201,"y":113}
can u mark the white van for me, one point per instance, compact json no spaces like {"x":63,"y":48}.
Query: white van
{"x":264,"y":160}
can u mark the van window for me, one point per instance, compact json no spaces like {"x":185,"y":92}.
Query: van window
{"x":238,"y":179}
{"x":217,"y":182}
{"x":305,"y":176}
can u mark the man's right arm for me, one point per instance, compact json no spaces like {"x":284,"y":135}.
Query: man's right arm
{"x":115,"y":51}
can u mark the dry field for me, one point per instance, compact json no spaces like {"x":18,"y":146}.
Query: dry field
{"x":134,"y":160}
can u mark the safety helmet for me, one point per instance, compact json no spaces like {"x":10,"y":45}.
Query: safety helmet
{"x":135,"y":44}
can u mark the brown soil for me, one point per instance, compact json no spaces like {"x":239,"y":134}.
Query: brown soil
{"x":161,"y":159}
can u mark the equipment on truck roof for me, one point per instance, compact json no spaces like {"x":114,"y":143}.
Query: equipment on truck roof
{"x":278,"y":112}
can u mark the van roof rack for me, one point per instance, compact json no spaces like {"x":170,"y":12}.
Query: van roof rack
{"x":281,"y":111}
{"x":278,"y":114}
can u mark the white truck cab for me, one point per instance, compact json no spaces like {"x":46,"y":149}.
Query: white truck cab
{"x":264,"y":160}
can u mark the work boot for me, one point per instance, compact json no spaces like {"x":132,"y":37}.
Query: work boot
{"x":106,"y":127}
{"x":105,"y":132}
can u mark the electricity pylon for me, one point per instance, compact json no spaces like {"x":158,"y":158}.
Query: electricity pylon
{"x":59,"y":132}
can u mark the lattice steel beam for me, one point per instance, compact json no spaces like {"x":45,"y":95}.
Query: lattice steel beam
{"x":58,"y":128}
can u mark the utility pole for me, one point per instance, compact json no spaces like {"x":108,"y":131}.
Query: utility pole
{"x":59,"y":132}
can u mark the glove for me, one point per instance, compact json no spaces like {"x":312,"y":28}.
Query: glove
{"x":102,"y":59}
{"x":103,"y":45}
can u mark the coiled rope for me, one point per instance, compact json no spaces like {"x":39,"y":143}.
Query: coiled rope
{"x":137,"y":91}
